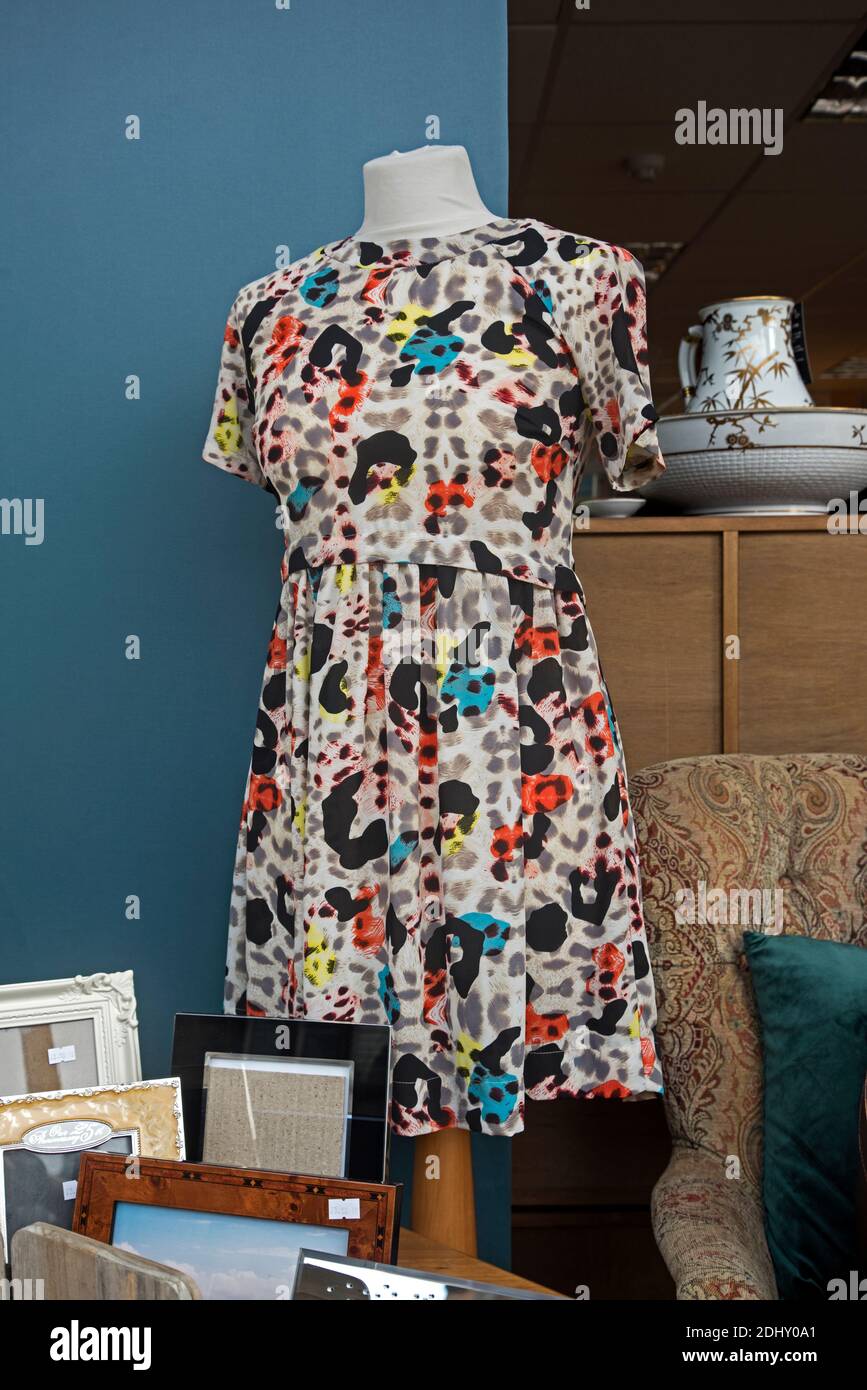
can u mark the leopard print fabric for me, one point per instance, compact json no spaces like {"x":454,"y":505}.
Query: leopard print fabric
{"x":436,"y":829}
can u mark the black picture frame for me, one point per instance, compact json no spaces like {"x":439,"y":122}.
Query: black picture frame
{"x":367,"y":1045}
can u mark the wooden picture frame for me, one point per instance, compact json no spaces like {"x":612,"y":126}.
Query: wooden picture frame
{"x":112,"y":1202}
{"x":56,"y":1035}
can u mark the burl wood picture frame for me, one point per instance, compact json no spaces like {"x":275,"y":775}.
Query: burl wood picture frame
{"x":369,"y":1213}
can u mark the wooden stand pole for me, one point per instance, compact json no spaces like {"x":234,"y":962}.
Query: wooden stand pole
{"x":443,"y":1200}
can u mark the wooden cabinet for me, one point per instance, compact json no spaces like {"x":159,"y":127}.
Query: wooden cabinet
{"x":729,"y":634}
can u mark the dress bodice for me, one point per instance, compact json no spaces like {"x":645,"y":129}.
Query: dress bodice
{"x":437,"y":401}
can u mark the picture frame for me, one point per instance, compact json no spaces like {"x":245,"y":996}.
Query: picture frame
{"x":328,"y":1278}
{"x":366,"y":1045}
{"x":43,"y":1137}
{"x":60,"y":1034}
{"x":236,"y":1231}
{"x":289,"y":1114}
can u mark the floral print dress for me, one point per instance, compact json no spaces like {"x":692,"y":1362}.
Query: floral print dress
{"x":436,"y":829}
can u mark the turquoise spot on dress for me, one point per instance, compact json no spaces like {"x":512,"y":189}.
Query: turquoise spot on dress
{"x":545,"y":296}
{"x":402,"y":848}
{"x":320,"y":288}
{"x":432,"y":351}
{"x":392,"y":612}
{"x":494,"y":930}
{"x":299,"y":497}
{"x":495,"y":1095}
{"x":388,"y":994}
{"x":609,"y":714}
{"x":471,"y":687}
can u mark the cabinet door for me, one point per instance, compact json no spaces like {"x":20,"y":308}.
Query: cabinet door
{"x":654,"y":603}
{"x":803,"y":629}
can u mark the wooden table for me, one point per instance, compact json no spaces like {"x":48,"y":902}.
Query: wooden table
{"x":419,"y":1252}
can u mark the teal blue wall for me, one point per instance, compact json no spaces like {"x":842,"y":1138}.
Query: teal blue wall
{"x":121,"y":258}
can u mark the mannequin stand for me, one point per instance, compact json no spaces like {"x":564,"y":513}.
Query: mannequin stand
{"x":430,"y":191}
{"x":443,"y":1197}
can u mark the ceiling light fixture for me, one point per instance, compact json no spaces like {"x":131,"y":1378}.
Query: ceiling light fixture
{"x":656,"y":256}
{"x":844,"y":98}
{"x":645,"y":167}
{"x":851,"y":368}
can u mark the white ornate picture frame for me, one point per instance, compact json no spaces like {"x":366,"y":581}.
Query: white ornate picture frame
{"x":81,"y":1031}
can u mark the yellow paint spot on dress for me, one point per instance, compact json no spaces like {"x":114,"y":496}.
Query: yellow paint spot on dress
{"x":319,"y":962}
{"x":445,"y":645}
{"x":228,"y":431}
{"x":345,"y":578}
{"x":464,"y":1054}
{"x":454,"y":842}
{"x":405,"y":322}
{"x":597,"y":254}
{"x":518,"y":357}
{"x":390,"y":491}
{"x":338,"y":716}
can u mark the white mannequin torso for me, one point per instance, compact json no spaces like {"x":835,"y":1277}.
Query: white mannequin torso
{"x":430,"y":191}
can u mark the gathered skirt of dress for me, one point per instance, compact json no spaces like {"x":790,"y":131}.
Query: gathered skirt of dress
{"x":436,"y":834}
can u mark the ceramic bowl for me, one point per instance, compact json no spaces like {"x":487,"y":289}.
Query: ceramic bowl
{"x":614,"y":506}
{"x":761,"y":461}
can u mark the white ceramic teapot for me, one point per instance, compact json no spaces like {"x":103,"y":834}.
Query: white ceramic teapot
{"x":747,"y":361}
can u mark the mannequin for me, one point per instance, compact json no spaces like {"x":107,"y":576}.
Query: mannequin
{"x":430,"y":191}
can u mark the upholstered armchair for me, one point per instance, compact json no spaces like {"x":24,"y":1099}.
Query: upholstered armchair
{"x":735,"y":822}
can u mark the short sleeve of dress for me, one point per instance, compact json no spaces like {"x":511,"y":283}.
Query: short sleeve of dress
{"x":607,"y":335}
{"x":230,"y":441}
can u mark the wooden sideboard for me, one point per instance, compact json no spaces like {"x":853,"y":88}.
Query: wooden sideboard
{"x":729,"y":634}
{"x":715,"y":634}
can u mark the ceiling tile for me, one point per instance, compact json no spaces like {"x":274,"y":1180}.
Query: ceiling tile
{"x":519,"y":143}
{"x":736,"y":66}
{"x":594,"y":155}
{"x":636,"y":216}
{"x":775,"y":12}
{"x":815,"y":154}
{"x":533,"y":11}
{"x":816,"y":233}
{"x":528,"y":67}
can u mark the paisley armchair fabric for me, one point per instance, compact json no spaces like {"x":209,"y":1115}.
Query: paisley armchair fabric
{"x":778,"y":839}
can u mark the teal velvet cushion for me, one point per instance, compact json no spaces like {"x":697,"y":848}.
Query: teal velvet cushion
{"x":812,"y":1001}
